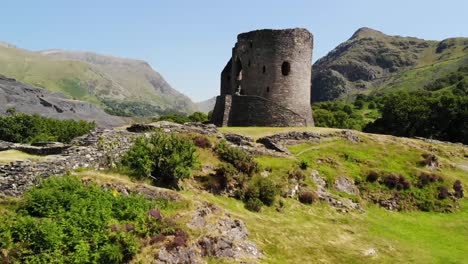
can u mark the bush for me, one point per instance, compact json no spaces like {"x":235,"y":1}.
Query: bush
{"x":427,"y":178}
{"x":237,"y":157}
{"x":254,"y":205}
{"x":304,"y":164}
{"x":458,"y":188}
{"x":396,"y":182}
{"x":307,"y":197}
{"x":202,"y":142}
{"x":164,"y":158}
{"x":263,"y":189}
{"x":443,"y":192}
{"x":227,"y":176}
{"x":372,"y":176}
{"x":198,"y":117}
{"x":64,"y":221}
{"x":23,"y":128}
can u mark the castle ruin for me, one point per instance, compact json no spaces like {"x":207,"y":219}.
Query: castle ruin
{"x":267,"y":81}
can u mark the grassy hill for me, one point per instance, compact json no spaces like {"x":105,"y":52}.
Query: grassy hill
{"x":122,"y":86}
{"x":372,"y":62}
{"x":291,"y":232}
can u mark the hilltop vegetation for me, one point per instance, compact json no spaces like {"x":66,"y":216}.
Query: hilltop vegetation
{"x":121,"y":86}
{"x":23,"y":128}
{"x":405,"y":175}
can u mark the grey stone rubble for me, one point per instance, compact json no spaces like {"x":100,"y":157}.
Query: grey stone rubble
{"x":225,"y":237}
{"x":98,"y":150}
{"x":342,"y":204}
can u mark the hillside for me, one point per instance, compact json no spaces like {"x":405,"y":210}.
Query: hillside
{"x":207,"y":105}
{"x":358,"y":215}
{"x":123,"y":86}
{"x":372,"y":62}
{"x":28,"y":99}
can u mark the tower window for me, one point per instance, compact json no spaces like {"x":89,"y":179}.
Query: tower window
{"x":264,"y":69}
{"x":285,"y":68}
{"x":248,"y":63}
{"x":268,"y":89}
{"x":251,"y":44}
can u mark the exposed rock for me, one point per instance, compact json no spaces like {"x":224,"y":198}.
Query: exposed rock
{"x":369,"y":252}
{"x":225,"y":237}
{"x":239,"y":139}
{"x":32,"y":100}
{"x":271,"y":144}
{"x":344,"y":184}
{"x":140,"y":128}
{"x":342,"y":204}
{"x":179,"y":255}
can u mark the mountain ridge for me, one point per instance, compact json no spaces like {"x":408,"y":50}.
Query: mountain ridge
{"x":109,"y":81}
{"x":370,"y":60}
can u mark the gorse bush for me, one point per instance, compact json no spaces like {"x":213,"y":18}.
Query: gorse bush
{"x":241,"y":160}
{"x":64,"y":221}
{"x":23,"y":128}
{"x":164,"y":158}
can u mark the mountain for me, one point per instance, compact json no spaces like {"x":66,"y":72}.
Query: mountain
{"x":32,"y":100}
{"x":373,"y":62}
{"x":121,"y":86}
{"x":207,"y":105}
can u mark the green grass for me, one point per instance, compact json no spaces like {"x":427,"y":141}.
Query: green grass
{"x":258,"y":132}
{"x":318,"y":234}
{"x":15,"y":155}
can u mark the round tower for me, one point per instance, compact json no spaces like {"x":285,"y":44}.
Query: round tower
{"x":267,"y":80}
{"x":275,"y":65}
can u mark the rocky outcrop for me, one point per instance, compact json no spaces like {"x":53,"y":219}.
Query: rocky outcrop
{"x":28,"y":99}
{"x":340,"y":203}
{"x":363,"y":61}
{"x":225,"y":237}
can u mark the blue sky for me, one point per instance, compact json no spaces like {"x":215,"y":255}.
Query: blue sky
{"x":189,"y":42}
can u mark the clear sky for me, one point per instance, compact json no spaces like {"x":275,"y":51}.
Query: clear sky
{"x":190,"y":41}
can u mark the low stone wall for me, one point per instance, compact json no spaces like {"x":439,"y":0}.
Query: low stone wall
{"x":98,"y":150}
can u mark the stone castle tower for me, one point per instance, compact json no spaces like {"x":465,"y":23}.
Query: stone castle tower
{"x":267,"y":81}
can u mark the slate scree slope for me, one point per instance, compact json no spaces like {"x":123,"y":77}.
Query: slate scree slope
{"x":267,"y":80}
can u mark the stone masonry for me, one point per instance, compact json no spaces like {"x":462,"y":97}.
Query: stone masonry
{"x":267,"y":80}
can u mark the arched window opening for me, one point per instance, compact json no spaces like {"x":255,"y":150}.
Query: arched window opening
{"x":285,"y":68}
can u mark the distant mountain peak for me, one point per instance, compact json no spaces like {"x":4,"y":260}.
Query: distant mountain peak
{"x":366,"y":32}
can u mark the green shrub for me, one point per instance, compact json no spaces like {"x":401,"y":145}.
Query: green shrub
{"x":198,"y":117}
{"x":64,"y":221}
{"x":254,"y":205}
{"x":263,"y":189}
{"x":304,"y":164}
{"x":164,"y":158}
{"x":23,"y":128}
{"x":241,"y":160}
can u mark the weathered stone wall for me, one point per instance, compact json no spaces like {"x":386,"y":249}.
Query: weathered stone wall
{"x":275,"y":65}
{"x":98,"y":150}
{"x":258,"y":111}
